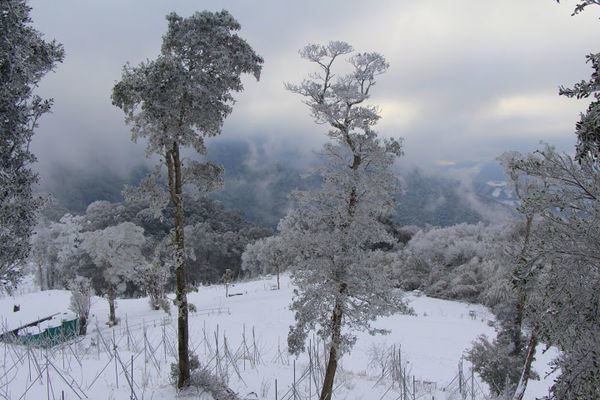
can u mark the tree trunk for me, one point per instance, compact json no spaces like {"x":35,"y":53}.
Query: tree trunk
{"x":175,"y":189}
{"x":83,"y":325}
{"x":50,"y":277}
{"x":277,"y":268}
{"x":112,"y":319}
{"x":526,"y":373}
{"x":336,"y":320}
{"x":518,"y":284}
{"x":41,"y":277}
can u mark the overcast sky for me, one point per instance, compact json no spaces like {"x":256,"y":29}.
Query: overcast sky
{"x":468,"y":79}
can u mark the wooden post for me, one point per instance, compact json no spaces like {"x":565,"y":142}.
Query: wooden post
{"x":115,"y":355}
{"x":294,"y":387}
{"x":472,"y":384}
{"x":404,"y":391}
{"x":127,"y":328}
{"x":460,"y":378}
{"x":309,"y":363}
{"x":47,"y":378}
{"x":145,"y":350}
{"x":132,"y":383}
{"x":164,"y":339}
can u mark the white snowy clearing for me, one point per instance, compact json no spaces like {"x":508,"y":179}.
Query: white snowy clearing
{"x":250,"y":331}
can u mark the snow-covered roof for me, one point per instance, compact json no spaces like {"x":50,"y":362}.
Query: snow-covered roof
{"x":33,"y":307}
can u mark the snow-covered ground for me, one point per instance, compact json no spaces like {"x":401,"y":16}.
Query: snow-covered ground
{"x":250,"y":333}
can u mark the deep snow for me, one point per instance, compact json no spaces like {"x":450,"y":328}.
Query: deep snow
{"x":431,"y":345}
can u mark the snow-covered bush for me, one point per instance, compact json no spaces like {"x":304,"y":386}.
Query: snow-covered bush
{"x":81,"y":301}
{"x":154,"y":279}
{"x":459,"y":262}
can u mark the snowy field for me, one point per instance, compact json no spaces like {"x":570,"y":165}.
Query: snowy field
{"x":243,"y":339}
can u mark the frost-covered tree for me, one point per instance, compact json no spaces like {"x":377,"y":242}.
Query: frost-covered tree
{"x":154,"y":278}
{"x":43,"y":254}
{"x":24,"y":59}
{"x":55,"y":251}
{"x":588,"y":126}
{"x":67,"y":242}
{"x":117,"y":250}
{"x":174,"y":102}
{"x":341,"y":282}
{"x":463,"y":262}
{"x":567,"y":247}
{"x":266,"y":256}
{"x":81,"y":301}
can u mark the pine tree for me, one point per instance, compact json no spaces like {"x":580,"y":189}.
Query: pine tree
{"x":341,"y":281}
{"x":174,"y":102}
{"x":24,"y":59}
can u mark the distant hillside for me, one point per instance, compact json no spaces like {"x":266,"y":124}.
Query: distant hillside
{"x":258,"y":184}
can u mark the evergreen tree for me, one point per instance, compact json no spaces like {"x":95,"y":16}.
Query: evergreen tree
{"x":24,"y":59}
{"x":174,"y":102}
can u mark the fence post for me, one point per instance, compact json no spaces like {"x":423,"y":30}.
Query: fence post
{"x":47,"y":378}
{"x":294,"y":387}
{"x":115,"y":354}
{"x":404,"y":384}
{"x":472,"y":384}
{"x":145,"y":349}
{"x":132,"y":382}
{"x":460,"y":378}
{"x":309,"y":368}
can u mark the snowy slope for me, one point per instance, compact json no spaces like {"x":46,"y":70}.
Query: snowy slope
{"x":251,"y":331}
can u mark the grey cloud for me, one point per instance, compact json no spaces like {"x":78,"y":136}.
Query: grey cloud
{"x":451,"y":62}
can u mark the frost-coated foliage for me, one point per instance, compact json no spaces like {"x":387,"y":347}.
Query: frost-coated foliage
{"x":154,"y":279}
{"x":55,"y":251}
{"x":175,"y":101}
{"x":588,"y":126}
{"x":567,"y":247}
{"x":211,"y":249}
{"x":214,"y":245}
{"x":464,"y":262}
{"x":186,"y":93}
{"x":496,"y":364}
{"x":117,"y":252}
{"x":330,"y":231}
{"x":265,"y":256}
{"x":81,"y":300}
{"x":24,"y":59}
